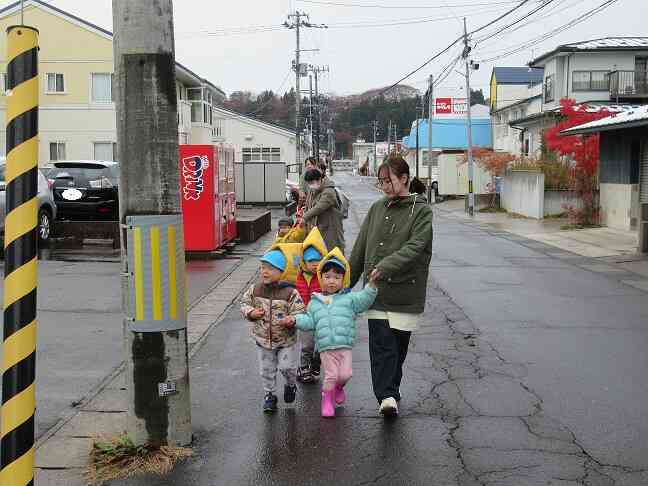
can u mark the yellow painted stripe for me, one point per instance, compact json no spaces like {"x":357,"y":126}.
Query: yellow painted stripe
{"x":21,"y":159}
{"x":19,"y":345}
{"x":156,"y":279}
{"x":139,"y":274}
{"x":19,"y":43}
{"x":21,"y":220}
{"x":173,"y":280}
{"x":24,"y":97}
{"x":20,"y":282}
{"x":20,"y":471}
{"x":18,"y":410}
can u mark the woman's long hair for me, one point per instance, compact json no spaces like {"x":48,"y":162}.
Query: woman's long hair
{"x":399,"y":166}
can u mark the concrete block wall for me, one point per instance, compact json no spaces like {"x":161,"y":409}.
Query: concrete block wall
{"x":523,"y":193}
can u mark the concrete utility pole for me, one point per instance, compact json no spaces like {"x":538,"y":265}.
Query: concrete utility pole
{"x":471,"y":165}
{"x":318,"y":107}
{"x":375,"y":132}
{"x":297,"y":22}
{"x":153,"y":289}
{"x":430,"y":120}
{"x":417,"y":136}
{"x":310,"y":113}
{"x":389,"y":133}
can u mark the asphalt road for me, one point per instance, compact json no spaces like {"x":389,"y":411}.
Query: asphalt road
{"x":528,"y":370}
{"x":80,"y":327}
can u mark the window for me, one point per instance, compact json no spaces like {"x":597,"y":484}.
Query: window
{"x":590,"y":81}
{"x":549,"y":89}
{"x":57,"y":150}
{"x":55,"y":83}
{"x":219,"y":127}
{"x":266,"y":154}
{"x":425,"y":157}
{"x":105,"y":151}
{"x":102,"y":87}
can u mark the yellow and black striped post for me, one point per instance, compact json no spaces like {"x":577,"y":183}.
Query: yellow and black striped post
{"x":19,"y":351}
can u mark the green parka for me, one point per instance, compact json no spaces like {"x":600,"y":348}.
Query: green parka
{"x":396,"y":238}
{"x":323,"y":210}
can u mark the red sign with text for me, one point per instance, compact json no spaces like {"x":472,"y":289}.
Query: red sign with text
{"x":200,"y":208}
{"x":443,"y":106}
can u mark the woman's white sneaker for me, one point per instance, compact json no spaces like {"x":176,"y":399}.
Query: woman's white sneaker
{"x":389,"y":407}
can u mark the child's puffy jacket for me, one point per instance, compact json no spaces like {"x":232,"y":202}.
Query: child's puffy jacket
{"x":332,"y":318}
{"x":279,"y":300}
{"x":308,"y":283}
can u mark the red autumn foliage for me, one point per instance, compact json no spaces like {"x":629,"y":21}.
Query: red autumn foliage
{"x":584,"y":151}
{"x":494,"y":162}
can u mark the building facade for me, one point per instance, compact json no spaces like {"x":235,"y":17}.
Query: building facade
{"x":623,"y":167}
{"x":77,"y":110}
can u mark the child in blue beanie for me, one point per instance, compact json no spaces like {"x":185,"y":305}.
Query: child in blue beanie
{"x":266,"y":304}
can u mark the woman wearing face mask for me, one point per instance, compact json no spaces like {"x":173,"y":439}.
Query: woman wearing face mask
{"x":394,"y":246}
{"x":324,"y":209}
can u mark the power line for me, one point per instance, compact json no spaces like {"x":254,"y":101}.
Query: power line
{"x":261,"y":108}
{"x":446,"y":49}
{"x":528,"y":15}
{"x":526,"y":24}
{"x":400,"y":7}
{"x":581,"y":18}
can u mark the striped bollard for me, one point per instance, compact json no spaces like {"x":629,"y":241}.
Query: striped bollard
{"x":21,"y":262}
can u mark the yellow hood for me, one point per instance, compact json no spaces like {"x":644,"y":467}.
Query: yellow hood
{"x":315,"y":240}
{"x":336,"y":253}
{"x":293,"y":254}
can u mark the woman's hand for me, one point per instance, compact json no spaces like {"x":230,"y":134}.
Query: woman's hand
{"x":288,"y":322}
{"x":373,"y":278}
{"x":257,"y":314}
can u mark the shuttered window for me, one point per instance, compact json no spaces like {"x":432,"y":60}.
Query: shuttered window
{"x":643,"y":175}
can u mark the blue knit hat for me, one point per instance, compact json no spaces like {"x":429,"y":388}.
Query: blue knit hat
{"x":275,"y":258}
{"x":312,"y":255}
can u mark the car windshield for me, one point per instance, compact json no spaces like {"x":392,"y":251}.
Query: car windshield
{"x":84,"y":175}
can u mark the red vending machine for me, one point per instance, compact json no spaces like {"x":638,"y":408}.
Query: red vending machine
{"x":227,"y":192}
{"x":201,"y":206}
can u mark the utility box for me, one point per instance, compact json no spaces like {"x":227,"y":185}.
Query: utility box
{"x":261,"y":182}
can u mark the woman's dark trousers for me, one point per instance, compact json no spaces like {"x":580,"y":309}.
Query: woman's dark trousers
{"x":387,"y":352}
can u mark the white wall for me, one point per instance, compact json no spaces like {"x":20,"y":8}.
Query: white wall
{"x":523,"y":193}
{"x":619,"y":205}
{"x":508,"y":94}
{"x":453,"y":176}
{"x":239,"y":134}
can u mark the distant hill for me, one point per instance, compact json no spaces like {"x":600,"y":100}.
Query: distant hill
{"x":396,"y":93}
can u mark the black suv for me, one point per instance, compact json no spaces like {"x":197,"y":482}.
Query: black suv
{"x":85,"y":190}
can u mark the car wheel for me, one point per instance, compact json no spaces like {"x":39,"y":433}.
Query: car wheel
{"x":44,"y":225}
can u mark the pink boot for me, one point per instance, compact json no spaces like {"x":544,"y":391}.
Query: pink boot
{"x":340,"y":396}
{"x":327,"y":403}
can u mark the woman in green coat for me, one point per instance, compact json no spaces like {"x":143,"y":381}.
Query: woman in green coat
{"x":395,"y":245}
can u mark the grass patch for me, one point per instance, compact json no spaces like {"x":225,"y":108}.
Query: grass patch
{"x":518,"y":216}
{"x":492,"y":210}
{"x":556,"y":216}
{"x":120,"y":458}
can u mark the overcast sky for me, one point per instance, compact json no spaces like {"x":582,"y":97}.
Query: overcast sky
{"x":360,"y":54}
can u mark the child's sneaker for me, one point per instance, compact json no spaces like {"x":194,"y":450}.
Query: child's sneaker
{"x":270,"y":403}
{"x":304,"y":375}
{"x":315,"y":369}
{"x":289,"y":393}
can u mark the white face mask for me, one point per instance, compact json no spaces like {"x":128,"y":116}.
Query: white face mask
{"x":313,"y":187}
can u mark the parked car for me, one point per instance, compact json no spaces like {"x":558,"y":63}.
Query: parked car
{"x":85,"y":190}
{"x":46,"y":205}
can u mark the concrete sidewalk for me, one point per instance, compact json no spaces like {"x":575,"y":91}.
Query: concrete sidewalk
{"x":606,"y":247}
{"x":62,"y":453}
